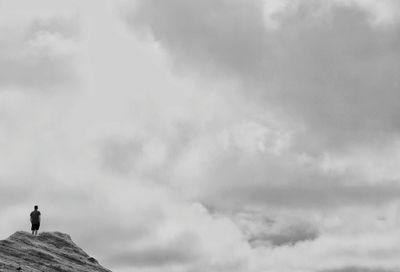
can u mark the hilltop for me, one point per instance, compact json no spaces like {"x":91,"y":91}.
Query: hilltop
{"x":49,"y":251}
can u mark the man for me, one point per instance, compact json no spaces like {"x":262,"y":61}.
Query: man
{"x":35,"y":220}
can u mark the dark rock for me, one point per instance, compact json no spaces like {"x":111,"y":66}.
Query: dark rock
{"x":93,"y":260}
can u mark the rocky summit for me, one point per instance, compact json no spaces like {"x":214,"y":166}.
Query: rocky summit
{"x":49,"y":251}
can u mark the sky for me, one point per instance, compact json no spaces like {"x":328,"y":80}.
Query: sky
{"x":213,"y":135}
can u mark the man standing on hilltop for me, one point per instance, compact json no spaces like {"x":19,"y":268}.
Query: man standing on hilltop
{"x":35,"y":220}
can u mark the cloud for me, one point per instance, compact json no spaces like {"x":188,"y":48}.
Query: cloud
{"x":359,"y":269}
{"x":40,"y":55}
{"x":326,"y":67}
{"x":181,"y":250}
{"x":262,"y":231}
{"x":239,"y":136}
{"x":321,"y":79}
{"x":121,"y":156}
{"x":285,"y":238}
{"x":230,"y":176}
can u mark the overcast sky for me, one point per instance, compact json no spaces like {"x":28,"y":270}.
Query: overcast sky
{"x":212,"y":135}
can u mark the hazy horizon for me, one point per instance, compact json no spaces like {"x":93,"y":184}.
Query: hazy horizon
{"x":205,"y":136}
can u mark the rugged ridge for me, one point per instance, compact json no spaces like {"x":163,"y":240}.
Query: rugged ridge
{"x":49,"y":251}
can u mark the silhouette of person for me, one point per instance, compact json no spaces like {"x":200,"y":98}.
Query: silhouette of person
{"x":35,"y":220}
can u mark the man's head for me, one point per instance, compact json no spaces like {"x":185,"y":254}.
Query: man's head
{"x":36,"y":207}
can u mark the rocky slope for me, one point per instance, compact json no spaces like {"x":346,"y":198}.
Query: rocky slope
{"x":49,"y":251}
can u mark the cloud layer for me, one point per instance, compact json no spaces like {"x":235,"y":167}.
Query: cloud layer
{"x":206,"y":136}
{"x":325,"y":66}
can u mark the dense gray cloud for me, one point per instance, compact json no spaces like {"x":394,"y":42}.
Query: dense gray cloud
{"x":279,"y":239}
{"x":234,"y":178}
{"x":326,"y":75}
{"x":324,"y":195}
{"x":269,"y":233}
{"x":326,"y":66}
